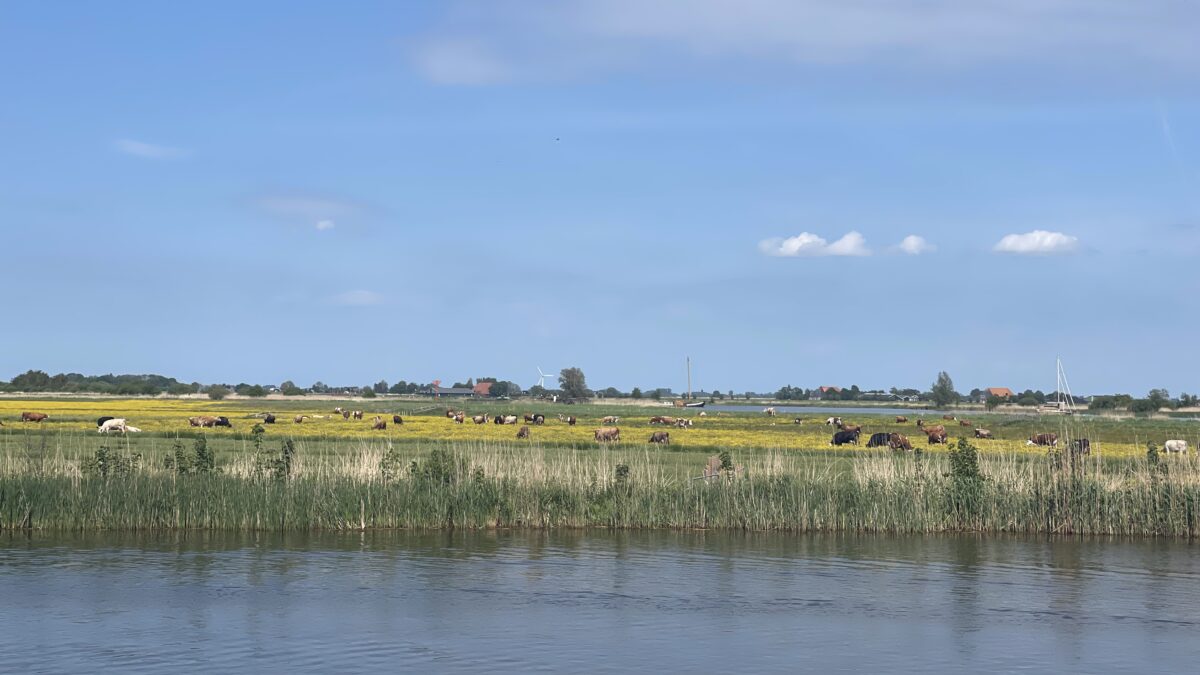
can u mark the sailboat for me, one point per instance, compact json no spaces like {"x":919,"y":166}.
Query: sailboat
{"x":1064,"y":401}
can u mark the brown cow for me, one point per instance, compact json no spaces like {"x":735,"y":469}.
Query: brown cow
{"x":920,"y":423}
{"x":396,"y":419}
{"x":358,"y":414}
{"x":569,"y":419}
{"x":1050,"y":439}
{"x":982,"y":433}
{"x":299,"y":419}
{"x":965,"y":423}
{"x":450,"y":414}
{"x":899,"y":442}
{"x":345,"y":414}
{"x":33,"y":417}
{"x":901,"y":419}
{"x":523,"y":432}
{"x":937,"y":437}
{"x":663,"y":437}
{"x":203,"y":421}
{"x":606,"y":434}
{"x":479,"y":419}
{"x":850,"y":427}
{"x":949,"y":417}
{"x":378,"y":424}
{"x":459,"y":418}
{"x":611,"y":419}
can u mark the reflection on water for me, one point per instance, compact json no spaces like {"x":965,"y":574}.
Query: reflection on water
{"x":595,"y":601}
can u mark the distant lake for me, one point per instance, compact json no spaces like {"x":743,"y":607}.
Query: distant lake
{"x":596,"y":601}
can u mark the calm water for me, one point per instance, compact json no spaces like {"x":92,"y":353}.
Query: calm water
{"x":596,"y":601}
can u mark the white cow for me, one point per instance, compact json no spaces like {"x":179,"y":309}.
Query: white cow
{"x":1175,"y":446}
{"x":115,"y":424}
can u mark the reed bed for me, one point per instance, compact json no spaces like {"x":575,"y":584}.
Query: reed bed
{"x":97,"y":484}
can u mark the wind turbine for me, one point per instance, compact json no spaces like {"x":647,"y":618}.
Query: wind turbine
{"x":542,"y":378}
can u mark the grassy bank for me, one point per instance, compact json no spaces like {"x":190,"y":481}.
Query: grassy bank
{"x":274,"y":485}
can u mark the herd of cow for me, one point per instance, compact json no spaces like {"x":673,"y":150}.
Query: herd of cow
{"x":846,"y":434}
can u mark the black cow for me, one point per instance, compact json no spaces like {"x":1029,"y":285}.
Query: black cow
{"x":396,"y":419}
{"x":1081,"y":446}
{"x":879,"y":440}
{"x":268,"y":419}
{"x":844,"y":437}
{"x":100,"y":422}
{"x":222,"y":422}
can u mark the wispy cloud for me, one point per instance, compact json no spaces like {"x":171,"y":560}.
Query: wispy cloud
{"x":1038,"y":242}
{"x":486,"y":43}
{"x":322,"y":213}
{"x":807,"y":244}
{"x":915,"y":245}
{"x":358,"y":298}
{"x":145,"y":150}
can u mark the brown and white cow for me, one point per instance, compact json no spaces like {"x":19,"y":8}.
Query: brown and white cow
{"x":299,"y":419}
{"x":479,"y":419}
{"x":33,"y":416}
{"x":607,"y":434}
{"x":901,"y":419}
{"x":663,"y":437}
{"x":569,"y":419}
{"x":983,"y":433}
{"x":611,"y":419}
{"x":898,"y":442}
{"x":1050,"y":439}
{"x":523,"y":432}
{"x":378,"y":424}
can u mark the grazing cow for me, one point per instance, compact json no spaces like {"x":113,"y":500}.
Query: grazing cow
{"x":203,"y":421}
{"x":937,"y":428}
{"x":965,"y":423}
{"x":949,"y":417}
{"x":511,"y":419}
{"x":844,"y":437}
{"x":683,"y":423}
{"x":901,"y":419}
{"x":797,"y":421}
{"x":607,"y":434}
{"x":358,"y":414}
{"x":570,"y":420}
{"x":937,"y":437}
{"x":662,"y":419}
{"x":920,"y":423}
{"x":222,"y":422}
{"x":523,"y":432}
{"x":663,"y":437}
{"x":878,"y":440}
{"x":529,"y":418}
{"x":378,"y":424}
{"x":1050,"y":439}
{"x":479,"y":419}
{"x":498,"y":419}
{"x":539,"y":419}
{"x":460,"y":418}
{"x":611,"y":419}
{"x":33,"y":416}
{"x":396,"y":419}
{"x":850,"y":427}
{"x":345,"y":414}
{"x":102,"y":420}
{"x":1081,"y":446}
{"x":450,"y":414}
{"x":1176,"y":446}
{"x":112,"y":424}
{"x":769,"y":412}
{"x":898,"y":442}
{"x":299,"y":419}
{"x":268,"y":419}
{"x":338,"y":410}
{"x":833,"y":421}
{"x":983,"y":433}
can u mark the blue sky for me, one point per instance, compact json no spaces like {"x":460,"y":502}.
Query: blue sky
{"x":789,"y":192}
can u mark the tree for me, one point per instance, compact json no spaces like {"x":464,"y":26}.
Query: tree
{"x":637,"y":393}
{"x":367,"y":392}
{"x":537,"y":390}
{"x":656,"y":395}
{"x":499,"y":389}
{"x":611,"y":392}
{"x":1143,"y":406}
{"x":217,"y":391}
{"x":289,"y":388}
{"x":992,"y":402}
{"x":381,"y":387}
{"x":943,"y":391}
{"x":572,"y":383}
{"x":251,"y":390}
{"x":1159,"y":397}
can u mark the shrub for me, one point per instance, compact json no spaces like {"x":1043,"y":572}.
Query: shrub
{"x":105,"y":463}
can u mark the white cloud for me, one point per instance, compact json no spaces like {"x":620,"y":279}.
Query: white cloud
{"x":1038,"y":242}
{"x":915,"y":245}
{"x":485,"y":43}
{"x":460,"y":61}
{"x":807,"y":244}
{"x":326,"y":224}
{"x":302,"y":210}
{"x":358,"y":298}
{"x":147,"y":150}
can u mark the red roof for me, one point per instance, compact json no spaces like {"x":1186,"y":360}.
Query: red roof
{"x":483,"y":389}
{"x":835,"y":389}
{"x":1002,"y":392}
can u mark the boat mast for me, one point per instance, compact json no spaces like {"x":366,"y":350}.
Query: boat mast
{"x":689,"y":368}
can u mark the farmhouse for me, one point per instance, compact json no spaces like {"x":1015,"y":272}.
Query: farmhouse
{"x":1000,"y":392}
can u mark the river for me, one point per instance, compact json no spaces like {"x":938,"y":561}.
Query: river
{"x":595,"y":601}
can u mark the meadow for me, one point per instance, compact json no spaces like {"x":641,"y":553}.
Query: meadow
{"x":330,"y":473}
